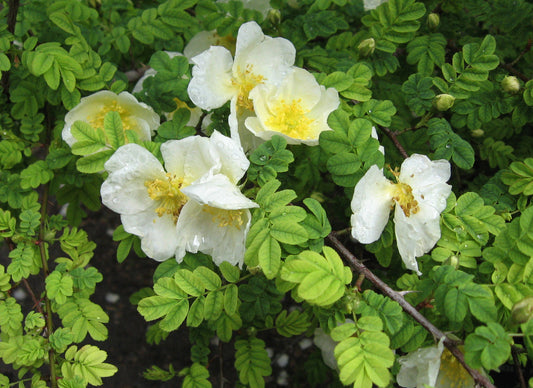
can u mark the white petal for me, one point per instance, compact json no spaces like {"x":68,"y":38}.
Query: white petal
{"x":372,"y":4}
{"x":419,"y":171}
{"x":326,"y":344}
{"x":249,"y":35}
{"x":199,"y":43}
{"x":139,"y":85}
{"x":420,"y":367}
{"x":143,"y":113}
{"x":416,"y":234}
{"x":371,"y":204}
{"x":159,"y":237}
{"x":247,"y":139}
{"x":124,"y":190}
{"x":219,"y":192}
{"x":211,"y":84}
{"x":190,"y":158}
{"x":198,"y":231}
{"x":234,"y":162}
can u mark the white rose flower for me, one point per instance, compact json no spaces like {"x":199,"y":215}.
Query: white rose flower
{"x":420,"y":196}
{"x":218,"y":78}
{"x":373,"y":4}
{"x":433,"y":366}
{"x":92,"y":109}
{"x":298,"y":109}
{"x":193,"y":204}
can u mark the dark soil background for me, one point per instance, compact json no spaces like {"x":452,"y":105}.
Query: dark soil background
{"x":127,"y":347}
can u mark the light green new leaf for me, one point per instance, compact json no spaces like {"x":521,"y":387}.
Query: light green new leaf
{"x":321,"y":280}
{"x":113,"y":130}
{"x":88,"y":362}
{"x":59,"y":286}
{"x":92,"y":164}
{"x":269,"y":256}
{"x":189,"y":282}
{"x":175,"y":316}
{"x":230,"y":272}
{"x":210,"y":280}
{"x":288,"y":232}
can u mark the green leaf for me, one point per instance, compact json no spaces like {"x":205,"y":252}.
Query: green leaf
{"x":59,"y":286}
{"x":230,"y":272}
{"x":320,"y":279}
{"x":292,"y":324}
{"x":210,"y":280}
{"x":113,"y":130}
{"x":252,"y":362}
{"x":365,"y":359}
{"x":87,"y":362}
{"x":269,"y":256}
{"x":92,"y":164}
{"x":288,"y":232}
{"x":196,"y":377}
{"x":488,"y":347}
{"x":519,"y":177}
{"x":214,"y":303}
{"x":189,"y":282}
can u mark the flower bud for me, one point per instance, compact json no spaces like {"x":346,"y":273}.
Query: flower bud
{"x":522,"y":311}
{"x":477,"y":132}
{"x":433,"y":21}
{"x":274,"y":15}
{"x":367,"y":47}
{"x":453,"y":261}
{"x":510,"y":84}
{"x":443,"y":102}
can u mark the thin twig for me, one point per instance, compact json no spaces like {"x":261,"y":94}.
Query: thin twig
{"x":36,"y":302}
{"x":512,"y":70}
{"x":408,"y":308}
{"x":392,"y":136}
{"x":517,"y":368}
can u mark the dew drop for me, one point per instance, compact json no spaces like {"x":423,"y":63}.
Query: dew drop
{"x":448,"y":146}
{"x":263,"y":158}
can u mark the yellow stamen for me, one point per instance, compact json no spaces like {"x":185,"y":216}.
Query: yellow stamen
{"x":291,"y":120}
{"x":245,"y":81}
{"x":223,"y":218}
{"x":403,"y":195}
{"x":97,"y":121}
{"x":167,"y":192}
{"x":451,"y":373}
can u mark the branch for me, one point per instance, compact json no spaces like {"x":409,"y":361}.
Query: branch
{"x":392,"y":136}
{"x":408,"y":308}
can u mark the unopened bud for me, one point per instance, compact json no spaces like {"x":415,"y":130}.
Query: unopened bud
{"x":453,"y":260}
{"x":274,"y":15}
{"x":433,"y":21}
{"x":522,"y":311}
{"x":510,"y":84}
{"x":367,"y":47}
{"x":477,"y":132}
{"x":443,"y":102}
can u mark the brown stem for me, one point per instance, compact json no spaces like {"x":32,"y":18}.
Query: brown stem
{"x":517,"y":368}
{"x":512,"y":70}
{"x":36,"y":302}
{"x":392,"y":136}
{"x":48,"y":305}
{"x":408,"y":308}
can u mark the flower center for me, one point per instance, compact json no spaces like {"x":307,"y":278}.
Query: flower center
{"x":451,"y":372}
{"x":97,"y":121}
{"x":167,"y":193}
{"x":223,"y":217}
{"x":403,"y":195}
{"x":245,"y":81}
{"x":290,"y":119}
